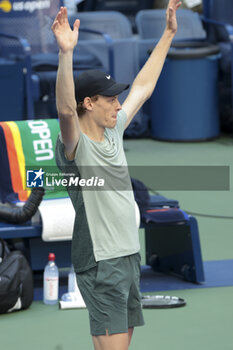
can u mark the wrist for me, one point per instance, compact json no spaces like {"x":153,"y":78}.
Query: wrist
{"x":66,"y":52}
{"x":170,"y":33}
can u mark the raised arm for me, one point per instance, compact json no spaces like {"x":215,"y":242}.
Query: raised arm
{"x":145,"y":82}
{"x":65,"y":90}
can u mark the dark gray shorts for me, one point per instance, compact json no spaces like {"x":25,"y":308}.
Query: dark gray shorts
{"x":112,"y":296}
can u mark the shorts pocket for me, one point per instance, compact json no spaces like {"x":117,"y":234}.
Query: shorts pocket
{"x":108,"y":274}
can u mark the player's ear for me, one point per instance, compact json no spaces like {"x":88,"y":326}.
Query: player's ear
{"x":88,"y":103}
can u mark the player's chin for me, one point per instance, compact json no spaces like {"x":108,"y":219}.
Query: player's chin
{"x":112,"y":123}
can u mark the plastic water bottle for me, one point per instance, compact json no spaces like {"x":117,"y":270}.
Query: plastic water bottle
{"x":72,"y":299}
{"x":72,"y":283}
{"x":51,"y":281}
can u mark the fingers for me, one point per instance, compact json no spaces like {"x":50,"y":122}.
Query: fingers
{"x":54,"y":25}
{"x":76,"y":25}
{"x":174,"y":4}
{"x":178,"y":5}
{"x":60,"y":19}
{"x":62,"y":15}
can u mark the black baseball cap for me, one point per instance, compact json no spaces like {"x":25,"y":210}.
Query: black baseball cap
{"x":95,"y":82}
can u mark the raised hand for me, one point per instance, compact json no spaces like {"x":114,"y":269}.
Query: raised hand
{"x":172,"y":7}
{"x":66,"y":37}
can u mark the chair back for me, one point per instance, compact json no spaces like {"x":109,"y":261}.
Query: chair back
{"x":151,"y":24}
{"x":112,"y":23}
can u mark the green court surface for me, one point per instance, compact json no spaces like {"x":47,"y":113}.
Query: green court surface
{"x":216,"y":234}
{"x":206,"y":322}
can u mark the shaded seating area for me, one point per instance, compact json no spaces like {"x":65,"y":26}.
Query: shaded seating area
{"x":108,"y":42}
{"x":39,"y":56}
{"x":218,"y":19}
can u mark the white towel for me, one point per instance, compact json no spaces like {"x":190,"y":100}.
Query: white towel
{"x":57,"y":219}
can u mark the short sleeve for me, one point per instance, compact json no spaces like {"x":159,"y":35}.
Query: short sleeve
{"x":61,"y":160}
{"x":121,"y":121}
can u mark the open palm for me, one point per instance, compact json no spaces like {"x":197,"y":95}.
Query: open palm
{"x":66,"y":37}
{"x":172,"y":7}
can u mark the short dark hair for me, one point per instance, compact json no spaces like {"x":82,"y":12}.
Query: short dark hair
{"x":81,"y":110}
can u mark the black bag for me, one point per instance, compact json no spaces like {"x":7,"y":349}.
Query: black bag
{"x":16,"y":280}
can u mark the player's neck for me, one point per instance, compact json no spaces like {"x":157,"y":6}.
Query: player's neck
{"x":91,"y":129}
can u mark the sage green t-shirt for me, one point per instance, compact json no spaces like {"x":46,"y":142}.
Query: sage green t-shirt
{"x":110,"y":210}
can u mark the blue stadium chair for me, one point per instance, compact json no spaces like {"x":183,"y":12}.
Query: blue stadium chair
{"x":17,"y":88}
{"x":190,"y":34}
{"x":151,"y":24}
{"x":218,"y":17}
{"x":30,"y":23}
{"x":113,"y":23}
{"x":221,"y":11}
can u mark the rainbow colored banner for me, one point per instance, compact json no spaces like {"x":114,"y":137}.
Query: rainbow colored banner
{"x":23,"y":145}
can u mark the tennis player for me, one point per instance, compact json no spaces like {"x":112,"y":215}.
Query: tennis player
{"x":105,"y":244}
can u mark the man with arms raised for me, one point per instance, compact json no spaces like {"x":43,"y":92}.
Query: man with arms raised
{"x":105,"y":245}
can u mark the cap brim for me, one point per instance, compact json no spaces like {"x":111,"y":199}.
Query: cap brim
{"x":114,"y":90}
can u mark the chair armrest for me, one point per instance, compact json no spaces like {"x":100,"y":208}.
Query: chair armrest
{"x":27,"y":230}
{"x":228,"y":27}
{"x":23,"y":42}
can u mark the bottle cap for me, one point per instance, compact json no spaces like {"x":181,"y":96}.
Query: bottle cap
{"x":51,"y":256}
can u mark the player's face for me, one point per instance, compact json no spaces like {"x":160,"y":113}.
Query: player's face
{"x":105,"y":111}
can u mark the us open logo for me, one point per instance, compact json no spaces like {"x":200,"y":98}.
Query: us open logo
{"x":35,"y":178}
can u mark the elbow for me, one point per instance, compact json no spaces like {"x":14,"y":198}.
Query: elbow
{"x":66,"y":115}
{"x":146,"y":92}
{"x":66,"y":112}
{"x":149,"y":90}
{"x":148,"y":95}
